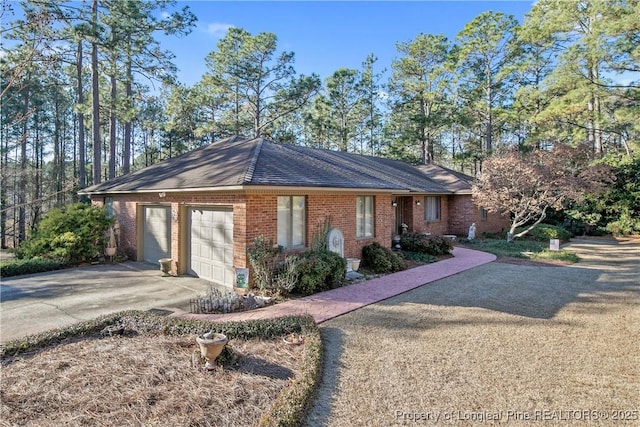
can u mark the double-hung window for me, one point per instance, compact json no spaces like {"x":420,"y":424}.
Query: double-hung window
{"x":292,"y":218}
{"x":483,"y":214}
{"x":364,"y":216}
{"x":432,"y":208}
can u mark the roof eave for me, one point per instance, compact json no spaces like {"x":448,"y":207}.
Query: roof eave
{"x":254,"y":189}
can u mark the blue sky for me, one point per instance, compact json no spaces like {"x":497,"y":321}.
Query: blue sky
{"x":327,"y":35}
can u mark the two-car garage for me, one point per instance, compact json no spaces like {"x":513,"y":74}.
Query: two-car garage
{"x":209,"y":243}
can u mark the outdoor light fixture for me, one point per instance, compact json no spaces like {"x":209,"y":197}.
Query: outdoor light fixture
{"x":162,"y":194}
{"x":417,"y":202}
{"x":394,"y":203}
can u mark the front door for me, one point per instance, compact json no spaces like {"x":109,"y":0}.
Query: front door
{"x":404,"y":213}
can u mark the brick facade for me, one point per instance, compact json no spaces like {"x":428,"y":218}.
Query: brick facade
{"x":255,"y":214}
{"x":463,"y":213}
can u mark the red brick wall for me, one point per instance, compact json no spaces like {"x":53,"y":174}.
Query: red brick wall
{"x":256,"y":214}
{"x":420,"y":225}
{"x":463,"y":213}
{"x":341,"y":209}
{"x":127,"y":207}
{"x":253,"y":215}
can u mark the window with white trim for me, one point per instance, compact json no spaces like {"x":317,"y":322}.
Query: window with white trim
{"x":432,"y":208}
{"x":292,"y":218}
{"x":364,"y":216}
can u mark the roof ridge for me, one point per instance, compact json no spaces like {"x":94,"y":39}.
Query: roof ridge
{"x":248,"y":175}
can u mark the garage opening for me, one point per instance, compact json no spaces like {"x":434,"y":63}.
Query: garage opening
{"x":157,"y":233}
{"x":211,"y":245}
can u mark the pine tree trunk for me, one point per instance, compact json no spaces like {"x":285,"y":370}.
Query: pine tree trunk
{"x":22,"y":186}
{"x":126,"y":149}
{"x":112,"y":126}
{"x":4,"y":162}
{"x":95,"y":90}
{"x":82,"y":161}
{"x":597,"y":137}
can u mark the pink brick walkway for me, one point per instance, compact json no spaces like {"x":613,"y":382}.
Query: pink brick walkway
{"x":327,"y":305}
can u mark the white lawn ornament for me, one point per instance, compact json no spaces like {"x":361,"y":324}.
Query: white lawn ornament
{"x":472,"y":232}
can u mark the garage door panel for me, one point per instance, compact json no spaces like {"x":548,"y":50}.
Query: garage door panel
{"x":218,"y":274}
{"x":228,"y":256}
{"x":211,"y":245}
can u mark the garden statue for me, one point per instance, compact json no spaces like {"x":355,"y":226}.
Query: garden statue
{"x":472,"y":232}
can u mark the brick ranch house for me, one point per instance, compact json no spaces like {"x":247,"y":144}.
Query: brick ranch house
{"x":203,"y":209}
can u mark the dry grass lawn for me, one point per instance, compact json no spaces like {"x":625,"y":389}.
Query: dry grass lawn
{"x":144,"y":380}
{"x":500,"y":344}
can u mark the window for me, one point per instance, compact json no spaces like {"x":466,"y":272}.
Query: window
{"x":432,"y":208}
{"x":108,"y":203}
{"x":292,"y":220}
{"x":364,"y":216}
{"x":483,"y":214}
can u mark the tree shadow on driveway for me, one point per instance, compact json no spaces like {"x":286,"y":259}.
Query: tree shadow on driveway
{"x":533,"y":292}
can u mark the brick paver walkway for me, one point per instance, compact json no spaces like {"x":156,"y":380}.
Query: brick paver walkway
{"x":327,"y":305}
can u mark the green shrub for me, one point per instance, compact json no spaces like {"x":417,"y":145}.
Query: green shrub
{"x":432,"y":245}
{"x":18,"y":267}
{"x":73,"y":234}
{"x":264,"y":257}
{"x":625,"y":225}
{"x":381,"y":259}
{"x":617,"y":208}
{"x":545,"y":232}
{"x":306,"y":273}
{"x":319,"y":271}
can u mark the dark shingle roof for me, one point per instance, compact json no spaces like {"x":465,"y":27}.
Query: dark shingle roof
{"x":455,"y":181}
{"x":259,"y":162}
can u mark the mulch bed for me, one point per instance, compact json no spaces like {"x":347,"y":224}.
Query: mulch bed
{"x":144,"y":379}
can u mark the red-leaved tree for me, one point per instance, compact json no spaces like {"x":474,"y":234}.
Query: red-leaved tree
{"x":526,"y":185}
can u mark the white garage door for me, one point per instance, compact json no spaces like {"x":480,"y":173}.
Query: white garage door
{"x":211,"y":244}
{"x":157,"y":233}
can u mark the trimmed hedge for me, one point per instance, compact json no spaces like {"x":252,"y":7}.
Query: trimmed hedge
{"x":381,"y":260}
{"x":319,"y":271}
{"x":293,"y":403}
{"x":427,"y":244}
{"x":18,"y":267}
{"x":289,"y":408}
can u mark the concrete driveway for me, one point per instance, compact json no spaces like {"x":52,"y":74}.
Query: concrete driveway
{"x":38,"y":302}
